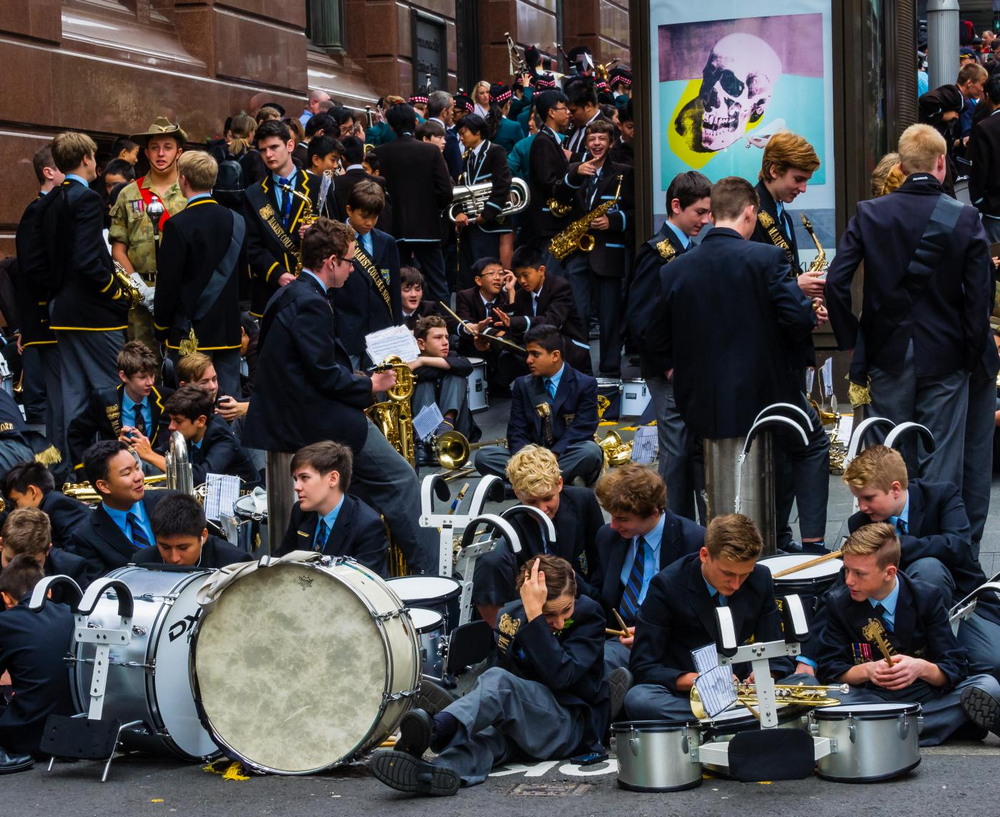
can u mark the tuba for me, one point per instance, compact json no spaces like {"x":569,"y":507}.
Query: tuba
{"x":180,"y":474}
{"x":577,"y":235}
{"x":394,"y":417}
{"x":471,"y":199}
{"x":308,"y":217}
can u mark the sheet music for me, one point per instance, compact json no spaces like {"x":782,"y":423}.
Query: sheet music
{"x":395,"y":340}
{"x":427,"y":420}
{"x":705,"y":658}
{"x":221,"y":493}
{"x":645,"y":445}
{"x":826,"y":376}
{"x":716,"y":689}
{"x":810,"y":379}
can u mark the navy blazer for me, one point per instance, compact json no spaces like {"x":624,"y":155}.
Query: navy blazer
{"x":573,"y":414}
{"x":938,"y":527}
{"x":305,"y":390}
{"x":31,"y":298}
{"x":61,"y":562}
{"x":920,"y":629}
{"x":65,"y":515}
{"x":681,"y":537}
{"x":215,"y":553}
{"x":678,"y":616}
{"x":421,"y":187}
{"x":949,"y":323}
{"x":723,"y":378}
{"x":612,"y":247}
{"x":469,"y":307}
{"x":359,"y":533}
{"x":761,"y":236}
{"x":220,"y":453}
{"x":548,"y":168}
{"x":557,"y":308}
{"x":344,"y":184}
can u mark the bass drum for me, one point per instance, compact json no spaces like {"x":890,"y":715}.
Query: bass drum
{"x":303,"y":665}
{"x":149,"y":679}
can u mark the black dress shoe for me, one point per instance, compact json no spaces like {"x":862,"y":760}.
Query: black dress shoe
{"x":9,"y":764}
{"x":404,"y":772}
{"x":415,"y":732}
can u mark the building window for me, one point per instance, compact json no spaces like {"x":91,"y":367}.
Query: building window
{"x":325,"y":23}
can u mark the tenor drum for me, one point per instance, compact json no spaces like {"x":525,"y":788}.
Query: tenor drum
{"x":251,"y":515}
{"x":656,"y":755}
{"x":438,"y":593}
{"x":478,"y":385}
{"x":809,"y":583}
{"x":635,"y":398}
{"x":874,"y":741}
{"x":149,"y":679}
{"x":429,"y":625}
{"x":302,"y":666}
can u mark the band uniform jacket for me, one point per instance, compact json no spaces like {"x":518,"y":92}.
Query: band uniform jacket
{"x":102,"y":417}
{"x":216,"y":553}
{"x":418,"y":181}
{"x":102,"y":543}
{"x":489,"y":166}
{"x":65,"y":514}
{"x":220,"y":453}
{"x":938,"y":527}
{"x":61,"y":562}
{"x":643,"y":295}
{"x":609,"y":258}
{"x":569,"y":663}
{"x":270,"y":247}
{"x":33,"y":648}
{"x":344,"y":184}
{"x":424,"y":309}
{"x":305,"y":389}
{"x":949,"y":322}
{"x":358,"y":304}
{"x":681,"y":537}
{"x":984,"y":152}
{"x":555,"y":306}
{"x":471,"y":308}
{"x":723,"y":379}
{"x":32,"y":300}
{"x":89,"y":296}
{"x":358,"y":533}
{"x":573,"y":411}
{"x":678,"y":615}
{"x":194,"y":243}
{"x":921,"y":630}
{"x":548,"y":176}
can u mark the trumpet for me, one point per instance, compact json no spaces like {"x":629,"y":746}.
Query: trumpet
{"x":471,"y":199}
{"x":786,"y":694}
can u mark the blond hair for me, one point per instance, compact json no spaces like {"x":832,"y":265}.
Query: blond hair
{"x":70,"y":148}
{"x":733,"y":537}
{"x":786,"y":150}
{"x":199,"y":168}
{"x":887,"y":176}
{"x":878,"y":539}
{"x":533,"y":472}
{"x":876,"y":467}
{"x":920,"y":146}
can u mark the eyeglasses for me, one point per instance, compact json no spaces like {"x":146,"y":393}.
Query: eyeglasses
{"x":564,"y":108}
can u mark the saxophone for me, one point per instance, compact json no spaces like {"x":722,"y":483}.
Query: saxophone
{"x":577,"y":235}
{"x":819,"y":262}
{"x":308,"y":218}
{"x":130,"y":292}
{"x":394,"y":417}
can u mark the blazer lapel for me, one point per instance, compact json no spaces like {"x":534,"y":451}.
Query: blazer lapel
{"x":342,"y":529}
{"x":700,"y":603}
{"x":915,"y":513}
{"x":567,"y":384}
{"x":106,"y":528}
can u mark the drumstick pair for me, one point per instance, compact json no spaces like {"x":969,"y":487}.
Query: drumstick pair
{"x":788,"y":571}
{"x":623,"y":632}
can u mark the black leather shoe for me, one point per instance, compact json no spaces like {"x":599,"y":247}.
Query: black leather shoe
{"x":415,"y":732}
{"x":9,"y":764}
{"x":404,"y":772}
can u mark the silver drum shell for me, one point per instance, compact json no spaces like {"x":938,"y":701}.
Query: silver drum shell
{"x":657,"y":755}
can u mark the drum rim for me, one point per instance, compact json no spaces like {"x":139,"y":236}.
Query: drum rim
{"x":426,"y":627}
{"x":455,"y":591}
{"x":711,"y":726}
{"x":890,"y":710}
{"x":234,"y":754}
{"x":833,"y":567}
{"x":654,"y":725}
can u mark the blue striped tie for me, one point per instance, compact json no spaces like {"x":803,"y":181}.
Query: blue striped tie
{"x":321,"y":536}
{"x":633,"y":587}
{"x":139,"y":538}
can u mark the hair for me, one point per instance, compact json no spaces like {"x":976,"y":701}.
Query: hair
{"x":325,"y":457}
{"x":192,"y":367}
{"x":27,"y":530}
{"x":625,"y":113}
{"x":70,"y":148}
{"x":992,"y":89}
{"x":367,"y":197}
{"x":437,"y":101}
{"x":274,"y":127}
{"x":733,"y":537}
{"x":473,"y":123}
{"x":428,"y":322}
{"x":786,"y":150}
{"x":687,"y":188}
{"x":137,"y":358}
{"x":971,"y":72}
{"x":534,"y":471}
{"x":601,"y":126}
{"x":190,"y":402}
{"x":97,"y":457}
{"x":410,"y":277}
{"x":919,"y":148}
{"x":322,"y":122}
{"x":632,"y":489}
{"x":877,"y":467}
{"x":887,"y":175}
{"x":401,"y":118}
{"x":340,"y":115}
{"x":560,"y":578}
{"x":581,"y":93}
{"x":482,"y":263}
{"x":20,"y":576}
{"x":546,"y":336}
{"x":178,"y":515}
{"x":242,"y":128}
{"x":730,"y":196}
{"x":326,"y":237}
{"x":295,"y":128}
{"x":199,"y":168}
{"x":425,"y":130}
{"x":43,"y":159}
{"x":323,"y":146}
{"x":120,"y":167}
{"x":25,"y":474}
{"x":878,"y":539}
{"x":353,"y":150}
{"x":268,"y":114}
{"x":527,"y":256}
{"x":123,"y":144}
{"x":373,"y":161}
{"x":547,"y":100}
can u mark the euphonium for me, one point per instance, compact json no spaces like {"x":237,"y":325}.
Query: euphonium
{"x":180,"y":474}
{"x":577,"y":236}
{"x":819,"y":262}
{"x":471,"y":199}
{"x":785,"y":694}
{"x":129,"y":290}
{"x":394,"y":417}
{"x":307,"y":217}
{"x":452,"y":449}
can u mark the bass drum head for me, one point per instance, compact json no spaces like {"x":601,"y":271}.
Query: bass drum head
{"x":292,"y":666}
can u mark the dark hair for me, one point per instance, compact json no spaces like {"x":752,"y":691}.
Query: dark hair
{"x":249,"y":324}
{"x":274,"y":127}
{"x":325,"y":457}
{"x":547,"y":100}
{"x":367,"y":197}
{"x":601,"y":126}
{"x":373,"y":161}
{"x":687,"y":188}
{"x":731,"y":195}
{"x":136,"y":357}
{"x":323,"y":146}
{"x":428,"y":322}
{"x":123,"y":143}
{"x":20,"y":576}
{"x":473,"y":123}
{"x":322,"y":122}
{"x":325,"y":238}
{"x":437,"y":101}
{"x":354,"y":150}
{"x":401,"y":118}
{"x":560,"y":578}
{"x":625,"y":112}
{"x":410,"y":276}
{"x":190,"y":402}
{"x":25,"y":474}
{"x":546,"y":336}
{"x":41,"y":160}
{"x":527,"y":257}
{"x":178,"y":515}
{"x":425,"y":130}
{"x":581,"y":93}
{"x":120,"y":167}
{"x":97,"y":457}
{"x":340,"y":115}
{"x":992,"y":88}
{"x":483,"y":263}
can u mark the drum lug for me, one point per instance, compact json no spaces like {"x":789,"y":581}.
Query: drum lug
{"x":902,"y":726}
{"x":383,"y":617}
{"x":920,"y":724}
{"x":852,"y":732}
{"x":398,"y":696}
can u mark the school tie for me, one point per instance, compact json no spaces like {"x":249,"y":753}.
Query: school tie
{"x":321,"y":536}
{"x":286,"y":201}
{"x":591,"y":190}
{"x":534,"y":305}
{"x":881,"y":612}
{"x":140,"y":419}
{"x":633,"y":587}
{"x":139,"y":538}
{"x":901,"y":526}
{"x":550,"y":387}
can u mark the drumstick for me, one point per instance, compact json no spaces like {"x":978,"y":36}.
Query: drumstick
{"x":482,"y":335}
{"x":619,"y":633}
{"x":817,"y":561}
{"x":621,"y":621}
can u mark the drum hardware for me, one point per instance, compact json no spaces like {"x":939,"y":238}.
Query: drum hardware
{"x":967,"y":606}
{"x":615,"y":451}
{"x":577,"y":236}
{"x":655,"y":756}
{"x":471,"y":199}
{"x":451,"y":522}
{"x":786,"y":694}
{"x":179,"y":471}
{"x":635,"y":397}
{"x":482,"y":534}
{"x":478,"y":391}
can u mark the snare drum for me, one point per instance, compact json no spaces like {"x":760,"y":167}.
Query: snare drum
{"x":635,"y":398}
{"x":874,"y":741}
{"x":302,"y":666}
{"x":656,"y":755}
{"x":429,"y":625}
{"x":809,"y":583}
{"x":251,"y":513}
{"x":438,"y":593}
{"x":149,"y":679}
{"x":478,"y":385}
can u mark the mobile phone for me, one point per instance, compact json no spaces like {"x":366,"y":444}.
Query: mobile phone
{"x":223,"y":399}
{"x":590,"y":759}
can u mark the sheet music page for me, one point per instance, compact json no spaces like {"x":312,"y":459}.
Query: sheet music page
{"x":645,"y":445}
{"x":716,"y":689}
{"x":221,"y":493}
{"x":395,"y":340}
{"x":705,"y":658}
{"x":427,"y":420}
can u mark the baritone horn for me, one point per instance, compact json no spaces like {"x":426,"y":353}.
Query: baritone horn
{"x":471,"y":199}
{"x":452,"y":449}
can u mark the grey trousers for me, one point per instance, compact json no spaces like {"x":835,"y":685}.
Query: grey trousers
{"x":87,"y":361}
{"x":682,"y":469}
{"x":981,"y":639}
{"x":616,"y":655}
{"x":502,"y":714}
{"x":452,"y":396}
{"x":579,"y":460}
{"x":977,"y":471}
{"x":605,"y":292}
{"x":48,"y":358}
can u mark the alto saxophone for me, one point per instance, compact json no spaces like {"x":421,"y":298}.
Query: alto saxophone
{"x":577,"y":236}
{"x":129,"y":290}
{"x":394,"y":417}
{"x":308,"y":218}
{"x":819,"y":262}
